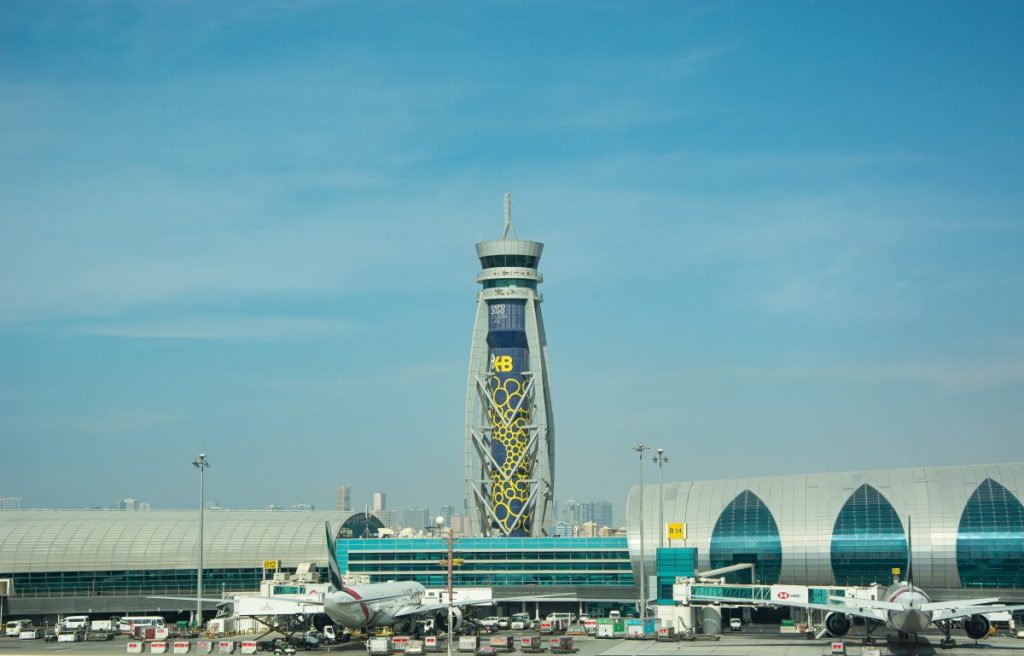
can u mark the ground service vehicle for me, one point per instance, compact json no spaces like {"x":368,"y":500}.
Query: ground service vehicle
{"x":128,"y":624}
{"x":562,"y":617}
{"x":520,"y":621}
{"x":735,"y":624}
{"x":15,"y":627}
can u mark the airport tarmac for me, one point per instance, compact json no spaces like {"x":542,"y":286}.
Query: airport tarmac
{"x":730,"y":644}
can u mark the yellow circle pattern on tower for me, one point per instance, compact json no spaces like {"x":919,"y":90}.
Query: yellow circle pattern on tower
{"x":509,"y":416}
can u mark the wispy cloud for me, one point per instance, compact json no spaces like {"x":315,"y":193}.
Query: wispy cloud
{"x":252,"y":328}
{"x":952,"y":375}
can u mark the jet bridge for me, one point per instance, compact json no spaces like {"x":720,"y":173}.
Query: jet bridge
{"x":691,"y":595}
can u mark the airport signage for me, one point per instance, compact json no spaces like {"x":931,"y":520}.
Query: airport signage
{"x":789,"y":593}
{"x":269,"y":564}
{"x":676,"y":530}
{"x":896,"y":571}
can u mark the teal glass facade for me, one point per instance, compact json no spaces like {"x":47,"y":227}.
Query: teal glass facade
{"x":868,"y":540}
{"x":135,"y":582}
{"x":746,"y":532}
{"x":491,"y":561}
{"x":672,"y":563}
{"x":990,"y":540}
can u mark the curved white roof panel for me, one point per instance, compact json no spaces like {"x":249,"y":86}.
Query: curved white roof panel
{"x":84,"y":540}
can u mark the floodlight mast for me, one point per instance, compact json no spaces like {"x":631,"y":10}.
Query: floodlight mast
{"x":201,"y":463}
{"x":640,"y":448}
{"x":439,"y":522}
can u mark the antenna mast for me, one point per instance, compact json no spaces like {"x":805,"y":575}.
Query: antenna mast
{"x":508,"y":218}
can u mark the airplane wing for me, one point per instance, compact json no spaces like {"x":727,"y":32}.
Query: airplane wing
{"x":946,"y":611}
{"x":957,"y":603}
{"x":205,"y":600}
{"x":420,"y":609}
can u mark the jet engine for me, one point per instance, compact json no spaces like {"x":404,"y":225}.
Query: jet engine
{"x":976,"y":626}
{"x":441,"y":619}
{"x":837,"y":624}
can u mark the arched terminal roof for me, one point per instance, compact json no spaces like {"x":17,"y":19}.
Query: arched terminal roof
{"x":84,"y":540}
{"x":966,"y":524}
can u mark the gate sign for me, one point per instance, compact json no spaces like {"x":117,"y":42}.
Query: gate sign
{"x":269,"y":564}
{"x":895,"y":571}
{"x":676,"y":530}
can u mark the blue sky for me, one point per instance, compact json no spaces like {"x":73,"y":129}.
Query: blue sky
{"x":781,"y":237}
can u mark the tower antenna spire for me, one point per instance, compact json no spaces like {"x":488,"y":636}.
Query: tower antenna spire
{"x":508,"y":218}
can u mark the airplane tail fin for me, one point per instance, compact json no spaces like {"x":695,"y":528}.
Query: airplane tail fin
{"x":332,"y":560}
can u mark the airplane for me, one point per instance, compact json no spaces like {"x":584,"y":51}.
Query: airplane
{"x":905,"y":608}
{"x":360,"y":607}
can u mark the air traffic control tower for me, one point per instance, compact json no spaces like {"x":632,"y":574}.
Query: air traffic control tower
{"x":510,"y":430}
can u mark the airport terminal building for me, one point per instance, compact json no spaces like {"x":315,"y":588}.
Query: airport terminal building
{"x":109,"y":562}
{"x":965,"y":525}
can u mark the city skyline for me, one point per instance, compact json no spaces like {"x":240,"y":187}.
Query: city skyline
{"x":247,"y":230}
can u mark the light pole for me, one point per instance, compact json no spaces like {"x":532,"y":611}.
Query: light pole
{"x":660,"y":459}
{"x":439,"y":522}
{"x":201,"y":463}
{"x":640,"y":448}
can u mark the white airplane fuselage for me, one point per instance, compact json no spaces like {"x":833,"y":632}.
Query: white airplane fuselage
{"x":373,"y":604}
{"x":911,"y":618}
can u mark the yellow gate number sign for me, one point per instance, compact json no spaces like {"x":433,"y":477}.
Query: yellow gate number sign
{"x":676,"y":530}
{"x":269,"y":564}
{"x":895,"y":571}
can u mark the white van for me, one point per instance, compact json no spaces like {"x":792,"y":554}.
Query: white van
{"x":565,"y":618}
{"x":73,"y":623}
{"x":15,"y":627}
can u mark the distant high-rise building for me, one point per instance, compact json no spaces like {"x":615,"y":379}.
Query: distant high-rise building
{"x":343,"y":498}
{"x":379,"y":502}
{"x":589,"y":529}
{"x":128,"y":503}
{"x":447,"y":512}
{"x":564,"y":530}
{"x":10,"y":503}
{"x":599,"y":512}
{"x":510,"y":426}
{"x":389,"y":518}
{"x":144,"y":506}
{"x":416,"y":518}
{"x":571,"y":513}
{"x":460,"y":525}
